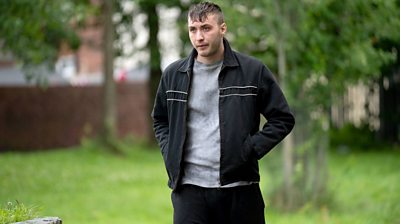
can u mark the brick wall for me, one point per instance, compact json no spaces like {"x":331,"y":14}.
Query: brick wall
{"x":33,"y":118}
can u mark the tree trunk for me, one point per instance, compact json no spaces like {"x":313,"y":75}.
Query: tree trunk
{"x":108,"y":132}
{"x":319,"y":191}
{"x":389,"y":105}
{"x":150,"y":8}
{"x":288,"y":162}
{"x":287,"y":158}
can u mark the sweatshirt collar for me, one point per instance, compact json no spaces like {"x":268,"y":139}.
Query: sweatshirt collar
{"x":228,"y":61}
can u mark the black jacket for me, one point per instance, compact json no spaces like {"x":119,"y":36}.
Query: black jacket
{"x":246,"y":90}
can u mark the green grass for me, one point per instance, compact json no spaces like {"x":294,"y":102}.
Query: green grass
{"x":87,"y":185}
{"x":16,"y":212}
{"x":365,"y":188}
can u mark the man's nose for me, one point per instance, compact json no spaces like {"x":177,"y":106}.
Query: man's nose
{"x":199,"y":35}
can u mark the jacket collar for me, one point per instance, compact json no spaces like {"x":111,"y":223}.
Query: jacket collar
{"x":229,"y":58}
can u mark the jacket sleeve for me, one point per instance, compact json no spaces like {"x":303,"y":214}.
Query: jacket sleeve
{"x":160,"y":116}
{"x":273,"y":106}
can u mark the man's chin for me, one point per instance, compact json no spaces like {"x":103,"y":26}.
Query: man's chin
{"x":203,"y":53}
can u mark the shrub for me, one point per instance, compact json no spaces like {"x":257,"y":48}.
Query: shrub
{"x":16,"y":212}
{"x":350,"y":136}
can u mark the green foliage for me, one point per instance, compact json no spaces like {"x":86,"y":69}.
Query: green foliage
{"x":16,"y":212}
{"x":350,"y":136}
{"x":336,"y":44}
{"x":328,"y":44}
{"x":33,"y":30}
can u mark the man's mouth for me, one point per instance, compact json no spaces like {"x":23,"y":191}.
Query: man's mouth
{"x":202,"y":46}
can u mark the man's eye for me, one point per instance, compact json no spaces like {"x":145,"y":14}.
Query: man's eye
{"x":206,"y":28}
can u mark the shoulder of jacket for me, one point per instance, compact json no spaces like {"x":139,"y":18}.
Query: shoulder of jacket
{"x":174,"y":66}
{"x":254,"y":66}
{"x":247,"y":59}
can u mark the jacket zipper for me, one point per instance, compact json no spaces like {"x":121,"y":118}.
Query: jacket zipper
{"x":220,"y":126}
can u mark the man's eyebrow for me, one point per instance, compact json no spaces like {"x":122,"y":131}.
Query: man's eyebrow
{"x":202,"y":26}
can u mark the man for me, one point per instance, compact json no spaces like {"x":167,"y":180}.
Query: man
{"x":206,"y":120}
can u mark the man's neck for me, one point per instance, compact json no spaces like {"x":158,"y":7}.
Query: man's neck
{"x":212,"y":59}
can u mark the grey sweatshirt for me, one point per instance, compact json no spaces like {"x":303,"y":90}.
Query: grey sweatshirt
{"x":202,"y":149}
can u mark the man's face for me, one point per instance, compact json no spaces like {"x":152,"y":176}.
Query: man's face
{"x":207,"y":38}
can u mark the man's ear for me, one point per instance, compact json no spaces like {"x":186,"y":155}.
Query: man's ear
{"x":223,"y":28}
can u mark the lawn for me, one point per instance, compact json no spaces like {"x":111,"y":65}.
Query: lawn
{"x":87,"y":185}
{"x":365,"y":187}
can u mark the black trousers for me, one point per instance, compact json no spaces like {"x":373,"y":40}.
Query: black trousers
{"x":236,"y":205}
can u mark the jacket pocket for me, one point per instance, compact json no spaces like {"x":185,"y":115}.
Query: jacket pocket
{"x":165,"y":152}
{"x":247,"y":150}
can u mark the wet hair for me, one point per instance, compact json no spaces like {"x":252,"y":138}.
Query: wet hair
{"x":200,"y":12}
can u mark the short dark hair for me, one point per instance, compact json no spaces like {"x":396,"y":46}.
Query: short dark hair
{"x":199,"y":12}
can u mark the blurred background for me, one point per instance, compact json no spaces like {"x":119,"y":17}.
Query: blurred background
{"x":78,"y":79}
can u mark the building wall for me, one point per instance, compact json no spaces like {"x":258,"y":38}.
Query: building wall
{"x":359,"y":104}
{"x":33,"y":118}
